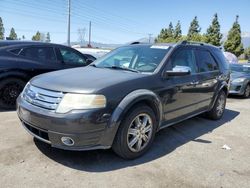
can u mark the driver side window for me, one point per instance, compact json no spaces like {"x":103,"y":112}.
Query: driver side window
{"x":71,"y":57}
{"x":184,"y":58}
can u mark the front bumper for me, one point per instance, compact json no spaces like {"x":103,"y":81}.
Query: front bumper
{"x":237,"y":89}
{"x":89,"y":129}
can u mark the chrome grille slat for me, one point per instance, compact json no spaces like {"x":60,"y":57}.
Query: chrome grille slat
{"x":48,"y":93}
{"x":42,"y":98}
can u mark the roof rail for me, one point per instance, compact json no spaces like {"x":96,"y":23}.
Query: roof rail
{"x":184,"y":42}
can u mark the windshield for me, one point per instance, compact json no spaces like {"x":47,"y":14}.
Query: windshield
{"x":240,"y":68}
{"x":138,"y":58}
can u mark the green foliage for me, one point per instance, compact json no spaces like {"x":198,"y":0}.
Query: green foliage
{"x":13,"y":35}
{"x":233,"y":43}
{"x":1,"y":29}
{"x":170,"y":34}
{"x":194,"y":31}
{"x":177,"y":32}
{"x":37,"y":36}
{"x":213,"y":35}
{"x":247,"y":53}
{"x":23,"y":37}
{"x":47,"y":37}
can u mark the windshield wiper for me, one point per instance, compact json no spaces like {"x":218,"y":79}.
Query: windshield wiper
{"x":122,"y":68}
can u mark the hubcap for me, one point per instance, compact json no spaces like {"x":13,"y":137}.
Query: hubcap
{"x":139,"y":132}
{"x":221,"y":105}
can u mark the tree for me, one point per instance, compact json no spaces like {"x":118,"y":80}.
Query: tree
{"x":166,"y":35}
{"x":47,"y":37}
{"x":23,"y":37}
{"x":194,"y":31}
{"x":13,"y":35}
{"x":170,"y":31}
{"x":1,"y":29}
{"x":233,"y":43}
{"x":37,"y":36}
{"x":213,"y":35}
{"x":177,"y":32}
{"x":247,"y":53}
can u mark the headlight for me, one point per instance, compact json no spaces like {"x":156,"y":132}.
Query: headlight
{"x":238,"y":80}
{"x":72,"y":101}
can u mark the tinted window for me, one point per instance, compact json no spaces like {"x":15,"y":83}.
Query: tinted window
{"x":240,"y":68}
{"x":40,"y":53}
{"x":15,"y":51}
{"x":71,"y":57}
{"x":205,"y":61}
{"x":184,"y":58}
{"x":222,"y":59}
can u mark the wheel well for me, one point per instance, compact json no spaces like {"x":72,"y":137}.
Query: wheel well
{"x":225,"y":89}
{"x":150,"y":104}
{"x":15,"y":77}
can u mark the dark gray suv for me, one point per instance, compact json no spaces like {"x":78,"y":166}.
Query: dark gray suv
{"x":124,"y":98}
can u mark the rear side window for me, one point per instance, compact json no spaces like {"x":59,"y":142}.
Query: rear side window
{"x":39,"y":53}
{"x":15,"y":51}
{"x":206,"y":62}
{"x":221,"y":58}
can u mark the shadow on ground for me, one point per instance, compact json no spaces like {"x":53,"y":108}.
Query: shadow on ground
{"x":166,"y":141}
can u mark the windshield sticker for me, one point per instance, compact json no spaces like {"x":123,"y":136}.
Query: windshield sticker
{"x":160,"y":47}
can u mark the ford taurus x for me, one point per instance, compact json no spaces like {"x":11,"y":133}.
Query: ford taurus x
{"x":121,"y":100}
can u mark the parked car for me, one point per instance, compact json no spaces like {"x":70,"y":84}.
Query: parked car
{"x":240,"y":79}
{"x":124,"y":98}
{"x":20,"y":61}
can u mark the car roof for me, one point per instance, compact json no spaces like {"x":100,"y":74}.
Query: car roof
{"x":181,"y":43}
{"x":8,"y":43}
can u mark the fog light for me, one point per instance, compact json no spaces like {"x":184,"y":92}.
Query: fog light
{"x":67,"y":141}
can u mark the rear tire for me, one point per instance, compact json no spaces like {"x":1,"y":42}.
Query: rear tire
{"x":136,"y":133}
{"x":10,"y":89}
{"x":247,"y":91}
{"x":219,"y":107}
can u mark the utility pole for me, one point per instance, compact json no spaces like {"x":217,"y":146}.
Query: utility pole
{"x":149,"y":37}
{"x":89,"y":34}
{"x":68,"y":39}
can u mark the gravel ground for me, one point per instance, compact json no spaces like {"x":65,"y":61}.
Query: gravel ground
{"x":188,"y":154}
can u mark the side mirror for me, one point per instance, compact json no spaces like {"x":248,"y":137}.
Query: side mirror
{"x":178,"y":71}
{"x":88,"y":61}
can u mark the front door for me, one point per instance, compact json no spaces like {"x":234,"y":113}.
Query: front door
{"x":179,"y":96}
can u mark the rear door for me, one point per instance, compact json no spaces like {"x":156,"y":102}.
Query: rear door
{"x":38,"y":59}
{"x":208,"y":77}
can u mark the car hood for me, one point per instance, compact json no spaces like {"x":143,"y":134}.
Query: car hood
{"x":83,"y":80}
{"x":235,"y":75}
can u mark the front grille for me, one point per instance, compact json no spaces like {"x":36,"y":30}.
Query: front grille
{"x":37,"y":132}
{"x":42,"y":98}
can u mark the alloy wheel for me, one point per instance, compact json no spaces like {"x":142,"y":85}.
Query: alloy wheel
{"x":221,"y":105}
{"x":139,"y":132}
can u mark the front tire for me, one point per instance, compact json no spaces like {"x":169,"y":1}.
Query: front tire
{"x":219,"y":107}
{"x":136,"y":133}
{"x":247,"y":91}
{"x":10,"y":89}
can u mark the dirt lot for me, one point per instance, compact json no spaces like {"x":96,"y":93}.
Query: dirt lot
{"x":188,"y":154}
